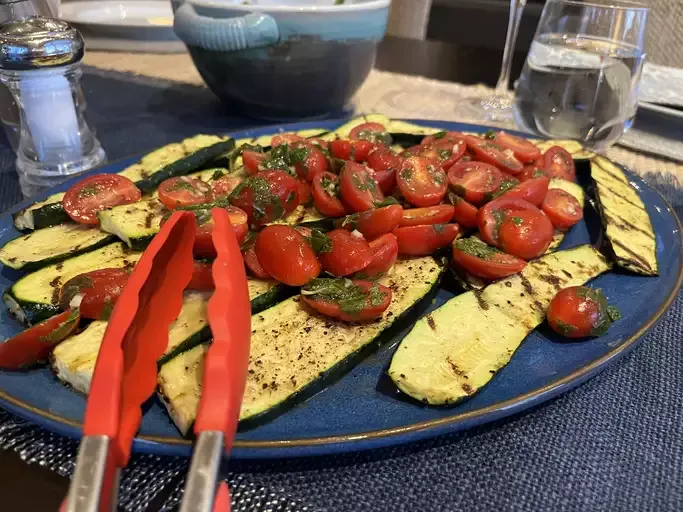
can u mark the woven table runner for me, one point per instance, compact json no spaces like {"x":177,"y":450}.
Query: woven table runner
{"x":613,"y":444}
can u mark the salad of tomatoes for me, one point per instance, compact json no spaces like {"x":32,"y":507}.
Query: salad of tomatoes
{"x":386,"y":202}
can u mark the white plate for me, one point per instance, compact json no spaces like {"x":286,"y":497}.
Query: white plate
{"x":152,"y":14}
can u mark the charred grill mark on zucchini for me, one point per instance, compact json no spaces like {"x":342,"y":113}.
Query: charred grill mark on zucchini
{"x":628,"y":229}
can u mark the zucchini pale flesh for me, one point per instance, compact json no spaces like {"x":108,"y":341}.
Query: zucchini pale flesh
{"x":74,"y":359}
{"x":294,"y":351}
{"x":454,"y":351}
{"x":35,"y":297}
{"x":628,"y":227}
{"x":176,"y":159}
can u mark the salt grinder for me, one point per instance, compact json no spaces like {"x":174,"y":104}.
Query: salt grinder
{"x":40,"y":64}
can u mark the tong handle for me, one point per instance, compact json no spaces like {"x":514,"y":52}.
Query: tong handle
{"x":137,"y":335}
{"x":226,"y":362}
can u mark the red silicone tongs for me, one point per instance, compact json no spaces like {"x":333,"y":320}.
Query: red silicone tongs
{"x":126,"y":370}
{"x":225,"y":372}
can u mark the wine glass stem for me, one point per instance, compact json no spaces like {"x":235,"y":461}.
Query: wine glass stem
{"x":516,"y":10}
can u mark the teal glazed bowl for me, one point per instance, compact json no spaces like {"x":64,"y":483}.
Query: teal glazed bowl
{"x":282,"y":59}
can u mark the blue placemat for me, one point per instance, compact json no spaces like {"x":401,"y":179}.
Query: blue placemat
{"x":615,"y":443}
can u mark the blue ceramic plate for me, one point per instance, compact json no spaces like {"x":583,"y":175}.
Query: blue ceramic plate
{"x":363,"y":409}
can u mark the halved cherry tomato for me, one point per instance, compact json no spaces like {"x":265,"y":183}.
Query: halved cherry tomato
{"x":305,"y":192}
{"x":421,"y":181}
{"x":202,"y":276}
{"x":267,"y":196}
{"x":532,"y":191}
{"x":357,"y":187}
{"x":98,"y":192}
{"x":562,"y":208}
{"x":451,"y":137}
{"x":203,"y":241}
{"x":384,"y":254}
{"x":559,"y":163}
{"x":322,"y":144}
{"x":35,"y":344}
{"x":224,"y":186}
{"x":580,"y":311}
{"x":464,"y":213}
{"x":326,"y":195}
{"x":491,"y":216}
{"x":285,"y":138}
{"x":354,"y":301}
{"x":314,"y":162}
{"x":373,"y":132}
{"x":184,"y":191}
{"x":439,"y":214}
{"x":284,"y":254}
{"x":475,"y":181}
{"x":252,"y":161}
{"x":385,"y":164}
{"x":356,"y":150}
{"x":525,"y":234}
{"x":444,"y":153}
{"x":373,"y":223}
{"x":94,"y":293}
{"x":349,"y":253}
{"x":491,"y":153}
{"x":251,"y":260}
{"x":532,"y":171}
{"x":482,"y":260}
{"x":424,"y":240}
{"x":525,"y":151}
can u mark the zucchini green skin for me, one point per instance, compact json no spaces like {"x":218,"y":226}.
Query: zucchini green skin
{"x":258,"y":304}
{"x":47,"y":215}
{"x":186,"y":165}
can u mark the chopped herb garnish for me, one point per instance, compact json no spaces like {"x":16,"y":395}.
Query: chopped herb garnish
{"x":387,"y":201}
{"x":490,"y":135}
{"x":439,"y":228}
{"x":407,"y":174}
{"x":375,"y":137}
{"x":182,"y":185}
{"x":444,"y":154}
{"x":440,"y":135}
{"x":331,"y":186}
{"x":564,"y":329}
{"x":476,"y":247}
{"x":350,"y":297}
{"x":217,"y":174}
{"x":89,"y":191}
{"x":319,"y":241}
{"x":517,"y":221}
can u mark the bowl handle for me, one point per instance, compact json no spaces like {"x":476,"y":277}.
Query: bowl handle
{"x":224,"y":34}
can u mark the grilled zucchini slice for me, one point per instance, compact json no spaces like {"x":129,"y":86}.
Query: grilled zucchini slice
{"x":294,"y":352}
{"x":73,"y":360}
{"x":48,"y":212}
{"x":35,"y":297}
{"x":627,"y":224}
{"x":50,"y":245}
{"x":455,"y":350}
{"x":176,"y":159}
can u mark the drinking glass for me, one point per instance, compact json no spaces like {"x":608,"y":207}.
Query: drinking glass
{"x":581,"y":76}
{"x":498,"y":106}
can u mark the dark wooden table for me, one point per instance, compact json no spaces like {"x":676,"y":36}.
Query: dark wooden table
{"x":33,"y":488}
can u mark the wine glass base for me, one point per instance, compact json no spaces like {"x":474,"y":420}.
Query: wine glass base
{"x":492,"y":109}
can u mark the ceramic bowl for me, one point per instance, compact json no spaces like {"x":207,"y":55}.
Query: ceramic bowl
{"x":282,"y":59}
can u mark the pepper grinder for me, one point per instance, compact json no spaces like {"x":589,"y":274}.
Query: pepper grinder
{"x":40,"y":64}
